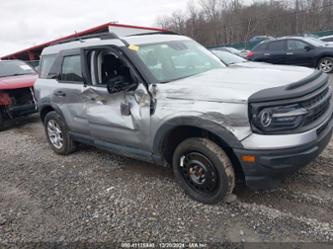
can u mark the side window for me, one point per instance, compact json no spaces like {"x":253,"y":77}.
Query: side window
{"x":107,"y":68}
{"x":46,"y":64}
{"x":296,"y":45}
{"x":260,"y":47}
{"x":71,"y":69}
{"x":276,"y":46}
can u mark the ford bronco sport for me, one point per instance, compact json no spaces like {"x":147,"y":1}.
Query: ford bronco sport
{"x":165,"y":99}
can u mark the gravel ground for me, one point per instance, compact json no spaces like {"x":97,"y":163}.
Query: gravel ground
{"x":94,"y":196}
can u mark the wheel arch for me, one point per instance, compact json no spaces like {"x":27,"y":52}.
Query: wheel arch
{"x":45,"y":109}
{"x":322,"y":56}
{"x":177,"y":130}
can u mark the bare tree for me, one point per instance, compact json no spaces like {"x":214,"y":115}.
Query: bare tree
{"x":216,"y":22}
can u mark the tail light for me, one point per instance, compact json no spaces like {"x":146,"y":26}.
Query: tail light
{"x":249,"y":55}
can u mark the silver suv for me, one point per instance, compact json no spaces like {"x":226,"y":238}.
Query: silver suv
{"x":165,"y":99}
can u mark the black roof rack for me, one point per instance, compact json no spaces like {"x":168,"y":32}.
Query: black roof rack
{"x":102,"y":36}
{"x":107,"y":36}
{"x":156,"y":33}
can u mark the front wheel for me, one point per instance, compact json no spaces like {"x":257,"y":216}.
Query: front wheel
{"x":58,"y":135}
{"x":326,"y":64}
{"x":203,"y":170}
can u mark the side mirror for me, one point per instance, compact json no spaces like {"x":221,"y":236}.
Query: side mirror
{"x":308,"y":48}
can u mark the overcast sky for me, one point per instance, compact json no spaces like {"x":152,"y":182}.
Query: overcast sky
{"x":24,"y":23}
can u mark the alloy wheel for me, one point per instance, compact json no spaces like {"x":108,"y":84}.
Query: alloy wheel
{"x":326,"y":65}
{"x":55,"y":134}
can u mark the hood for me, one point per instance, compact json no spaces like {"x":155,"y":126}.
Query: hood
{"x":15,"y":82}
{"x":253,"y":64}
{"x":233,"y":84}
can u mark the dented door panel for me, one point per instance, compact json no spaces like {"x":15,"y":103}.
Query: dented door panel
{"x":122,"y":118}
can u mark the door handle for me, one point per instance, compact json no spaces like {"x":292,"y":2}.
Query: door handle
{"x":267,"y":54}
{"x":290,"y":53}
{"x":60,"y":94}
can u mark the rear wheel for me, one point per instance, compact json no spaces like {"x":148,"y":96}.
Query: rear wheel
{"x":326,"y":64}
{"x":58,"y":135}
{"x":203,"y":170}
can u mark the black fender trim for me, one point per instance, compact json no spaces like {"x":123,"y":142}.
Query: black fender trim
{"x":44,"y":106}
{"x":196,"y":122}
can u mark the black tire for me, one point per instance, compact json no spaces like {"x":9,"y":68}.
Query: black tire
{"x":68,"y":145}
{"x":203,"y":170}
{"x":325,"y":64}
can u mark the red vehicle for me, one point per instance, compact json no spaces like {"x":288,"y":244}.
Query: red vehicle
{"x":16,"y":90}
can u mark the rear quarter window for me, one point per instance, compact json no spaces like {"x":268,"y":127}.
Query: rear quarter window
{"x":260,"y":48}
{"x":45,"y":65}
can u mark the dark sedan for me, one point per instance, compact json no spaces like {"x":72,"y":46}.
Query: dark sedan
{"x":300,"y":51}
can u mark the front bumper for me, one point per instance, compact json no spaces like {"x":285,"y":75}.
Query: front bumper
{"x":272,"y":165}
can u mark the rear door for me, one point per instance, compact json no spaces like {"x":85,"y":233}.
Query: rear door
{"x":276,"y":52}
{"x":67,"y":90}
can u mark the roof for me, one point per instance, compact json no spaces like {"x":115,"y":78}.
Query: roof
{"x":281,"y":38}
{"x":137,"y":40}
{"x":119,"y":29}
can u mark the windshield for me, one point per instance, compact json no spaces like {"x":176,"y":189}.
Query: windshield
{"x":174,"y":60}
{"x":228,"y":58}
{"x":13,"y":68}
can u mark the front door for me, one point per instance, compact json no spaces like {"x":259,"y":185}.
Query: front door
{"x":119,"y":117}
{"x":300,"y":53}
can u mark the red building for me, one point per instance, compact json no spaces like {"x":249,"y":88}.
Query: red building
{"x":33,"y":53}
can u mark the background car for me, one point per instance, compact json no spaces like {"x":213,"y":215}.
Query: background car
{"x":328,"y":38}
{"x":228,"y":58}
{"x":232,"y":60}
{"x":243,"y":53}
{"x":16,"y":90}
{"x":229,"y":49}
{"x":300,"y":51}
{"x":260,"y":38}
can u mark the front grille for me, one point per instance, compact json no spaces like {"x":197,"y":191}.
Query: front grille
{"x":21,"y":96}
{"x":317,"y":106}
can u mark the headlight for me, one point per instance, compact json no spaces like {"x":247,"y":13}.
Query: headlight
{"x":276,"y":118}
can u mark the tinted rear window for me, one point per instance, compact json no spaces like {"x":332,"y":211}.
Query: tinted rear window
{"x":276,"y":46}
{"x":46,"y":64}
